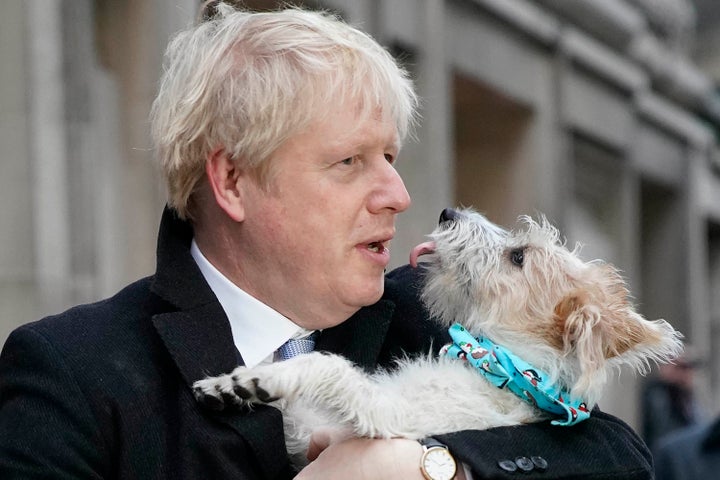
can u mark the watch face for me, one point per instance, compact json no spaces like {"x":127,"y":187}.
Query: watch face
{"x":439,"y":464}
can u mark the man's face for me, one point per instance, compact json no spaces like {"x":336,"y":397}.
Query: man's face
{"x":316,"y":241}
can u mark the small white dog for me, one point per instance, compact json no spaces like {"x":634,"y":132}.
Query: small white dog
{"x":571,"y":322}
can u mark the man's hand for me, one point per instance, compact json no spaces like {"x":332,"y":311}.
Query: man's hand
{"x":335,"y":454}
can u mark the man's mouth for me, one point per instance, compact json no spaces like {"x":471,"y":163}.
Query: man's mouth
{"x":377,"y":247}
{"x":422,"y":249}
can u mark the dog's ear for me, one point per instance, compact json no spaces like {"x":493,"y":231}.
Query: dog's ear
{"x":577,"y":321}
{"x":601,"y":328}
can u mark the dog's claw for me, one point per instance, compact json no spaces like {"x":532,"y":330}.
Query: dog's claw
{"x":262,"y":394}
{"x":242,"y":392}
{"x":228,"y":398}
{"x":208,"y":401}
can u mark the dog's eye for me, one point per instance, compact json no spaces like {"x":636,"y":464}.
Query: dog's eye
{"x":517,"y":256}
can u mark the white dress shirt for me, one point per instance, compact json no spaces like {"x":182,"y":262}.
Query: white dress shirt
{"x":257,"y":329}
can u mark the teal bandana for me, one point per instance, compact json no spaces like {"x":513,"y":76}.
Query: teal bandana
{"x":505,"y":370}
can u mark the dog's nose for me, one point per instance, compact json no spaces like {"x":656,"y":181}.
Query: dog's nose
{"x":447,"y":215}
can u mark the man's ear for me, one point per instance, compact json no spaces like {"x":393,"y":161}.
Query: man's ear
{"x":223,"y":176}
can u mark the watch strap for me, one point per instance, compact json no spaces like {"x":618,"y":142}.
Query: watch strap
{"x":428,"y":442}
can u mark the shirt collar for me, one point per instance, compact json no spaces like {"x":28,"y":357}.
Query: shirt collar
{"x":257,"y":329}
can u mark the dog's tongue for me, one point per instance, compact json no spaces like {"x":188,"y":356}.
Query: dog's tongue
{"x":422,"y":249}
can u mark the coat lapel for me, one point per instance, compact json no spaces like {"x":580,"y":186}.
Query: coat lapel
{"x":196,"y":333}
{"x":198,"y":342}
{"x":194,"y":328}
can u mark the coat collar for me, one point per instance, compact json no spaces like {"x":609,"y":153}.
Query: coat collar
{"x":197,"y":333}
{"x":195,"y":329}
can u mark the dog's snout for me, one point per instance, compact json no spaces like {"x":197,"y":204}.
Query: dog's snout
{"x":448,"y":215}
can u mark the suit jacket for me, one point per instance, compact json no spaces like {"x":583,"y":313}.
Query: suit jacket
{"x":103,"y":390}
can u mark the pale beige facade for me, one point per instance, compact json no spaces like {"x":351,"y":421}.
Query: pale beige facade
{"x":589,"y":112}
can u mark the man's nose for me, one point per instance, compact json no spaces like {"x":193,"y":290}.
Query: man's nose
{"x":393,"y":195}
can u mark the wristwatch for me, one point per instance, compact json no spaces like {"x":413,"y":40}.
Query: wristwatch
{"x":437,"y":463}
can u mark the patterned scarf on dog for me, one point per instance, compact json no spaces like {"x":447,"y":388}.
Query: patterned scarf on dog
{"x":504,"y":369}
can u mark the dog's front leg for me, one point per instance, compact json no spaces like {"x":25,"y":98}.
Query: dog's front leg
{"x":328,"y":383}
{"x":288,"y":380}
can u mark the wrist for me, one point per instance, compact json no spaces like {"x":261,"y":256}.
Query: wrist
{"x":407,"y":455}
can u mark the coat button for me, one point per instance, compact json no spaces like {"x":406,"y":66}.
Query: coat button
{"x":524,"y":464}
{"x":507,"y":465}
{"x":539,"y":462}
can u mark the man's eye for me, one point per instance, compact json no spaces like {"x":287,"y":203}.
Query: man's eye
{"x":390,"y":159}
{"x":347,"y":161}
{"x":517,"y":256}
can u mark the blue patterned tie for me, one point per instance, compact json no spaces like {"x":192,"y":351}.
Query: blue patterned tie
{"x":297,"y":346}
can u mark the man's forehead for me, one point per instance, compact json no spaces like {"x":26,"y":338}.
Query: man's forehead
{"x":363,"y":131}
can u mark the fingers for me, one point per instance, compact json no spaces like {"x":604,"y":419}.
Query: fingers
{"x":323,"y":438}
{"x":362,"y":458}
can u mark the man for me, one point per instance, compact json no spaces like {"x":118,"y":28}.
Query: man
{"x":668,"y":399}
{"x":276,"y":134}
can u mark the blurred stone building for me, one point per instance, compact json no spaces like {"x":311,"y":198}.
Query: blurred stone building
{"x":601,"y":114}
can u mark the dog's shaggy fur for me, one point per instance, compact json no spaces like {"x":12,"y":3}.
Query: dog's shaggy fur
{"x":522,"y":289}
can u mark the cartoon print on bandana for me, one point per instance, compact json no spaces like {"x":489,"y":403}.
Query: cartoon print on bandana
{"x":533,"y":377}
{"x":503,"y":369}
{"x":478,"y":352}
{"x":485,"y":365}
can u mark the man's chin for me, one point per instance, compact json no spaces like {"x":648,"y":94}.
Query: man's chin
{"x":371,"y":294}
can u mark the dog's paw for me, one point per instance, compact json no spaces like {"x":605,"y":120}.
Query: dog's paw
{"x":239,"y":388}
{"x":218,"y":393}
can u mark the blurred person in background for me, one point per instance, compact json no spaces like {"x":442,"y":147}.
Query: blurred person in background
{"x":276,"y":134}
{"x":669,"y":401}
{"x":691,"y":453}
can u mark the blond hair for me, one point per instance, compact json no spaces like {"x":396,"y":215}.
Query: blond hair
{"x":247,"y":82}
